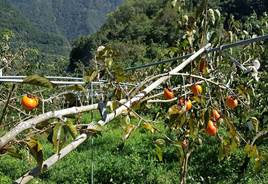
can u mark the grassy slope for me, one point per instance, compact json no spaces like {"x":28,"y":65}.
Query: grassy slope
{"x":135,"y":163}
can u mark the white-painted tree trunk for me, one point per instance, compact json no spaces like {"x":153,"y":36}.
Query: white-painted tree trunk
{"x":154,"y":85}
{"x":52,"y":160}
{"x":41,"y":118}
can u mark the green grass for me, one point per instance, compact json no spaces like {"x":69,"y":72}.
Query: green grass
{"x":135,"y":162}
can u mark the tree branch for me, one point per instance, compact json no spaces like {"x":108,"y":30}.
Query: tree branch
{"x":30,"y":123}
{"x":151,"y":87}
{"x":51,"y":161}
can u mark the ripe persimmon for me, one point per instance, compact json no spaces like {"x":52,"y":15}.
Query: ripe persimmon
{"x":187,"y":103}
{"x":168,"y":93}
{"x":231,"y":102}
{"x":211,"y":129}
{"x":196,"y":89}
{"x":29,"y":102}
{"x":215,"y":115}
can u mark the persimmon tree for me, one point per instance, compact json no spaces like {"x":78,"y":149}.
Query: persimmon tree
{"x":228,"y":105}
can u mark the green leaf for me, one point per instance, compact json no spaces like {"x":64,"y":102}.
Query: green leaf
{"x":36,"y":150}
{"x":221,"y":152}
{"x":38,"y":81}
{"x":91,"y":76}
{"x":159,"y":153}
{"x":42,"y":125}
{"x":119,"y":73}
{"x":56,"y":139}
{"x":71,"y":128}
{"x":193,"y":131}
{"x":160,"y":142}
{"x":70,"y":98}
{"x":76,"y":88}
{"x":173,"y":3}
{"x":126,"y":120}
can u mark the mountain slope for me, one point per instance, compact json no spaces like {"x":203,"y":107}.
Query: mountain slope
{"x":70,"y":18}
{"x":26,"y":32}
{"x":146,"y":30}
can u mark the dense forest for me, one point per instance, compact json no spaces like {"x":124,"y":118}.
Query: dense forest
{"x":200,"y":119}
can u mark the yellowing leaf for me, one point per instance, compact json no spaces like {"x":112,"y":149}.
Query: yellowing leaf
{"x":91,"y":76}
{"x":71,"y":128}
{"x":56,"y":138}
{"x":149,"y":127}
{"x":38,"y":81}
{"x":173,"y":110}
{"x":108,"y":62}
{"x":128,"y":130}
{"x":113,"y":105}
{"x":247,"y":149}
{"x":36,"y":150}
{"x":255,"y":122}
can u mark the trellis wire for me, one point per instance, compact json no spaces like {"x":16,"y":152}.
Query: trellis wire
{"x":220,"y":48}
{"x":79,"y":81}
{"x":76,"y":80}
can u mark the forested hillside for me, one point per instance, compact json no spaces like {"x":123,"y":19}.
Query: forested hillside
{"x":26,"y":33}
{"x":70,"y":18}
{"x":51,"y":25}
{"x":153,"y":29}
